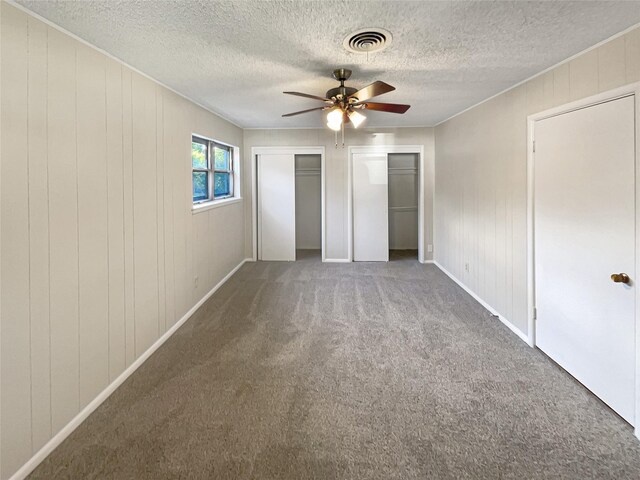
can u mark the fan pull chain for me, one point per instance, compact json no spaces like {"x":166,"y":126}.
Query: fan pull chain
{"x":342,"y":134}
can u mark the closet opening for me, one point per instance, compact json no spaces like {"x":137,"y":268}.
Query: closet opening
{"x":403,"y":171}
{"x":308,"y":201}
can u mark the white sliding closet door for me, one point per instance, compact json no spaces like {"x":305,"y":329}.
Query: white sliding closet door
{"x":370,"y":207}
{"x":276,"y":207}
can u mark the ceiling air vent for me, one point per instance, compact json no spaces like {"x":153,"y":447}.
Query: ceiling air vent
{"x":367,"y":40}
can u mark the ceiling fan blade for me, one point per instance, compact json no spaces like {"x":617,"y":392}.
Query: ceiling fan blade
{"x":315,"y":97}
{"x":302,"y":111}
{"x":385,"y":107}
{"x":373,"y":90}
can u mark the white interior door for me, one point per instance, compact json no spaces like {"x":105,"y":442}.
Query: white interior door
{"x":370,"y":207}
{"x":276,"y":207}
{"x":584,"y":232}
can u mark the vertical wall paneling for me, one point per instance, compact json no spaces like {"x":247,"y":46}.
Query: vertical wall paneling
{"x":214,"y":239}
{"x":428,"y":176}
{"x":145,"y":242}
{"x":549,"y":81}
{"x":115,"y":218}
{"x":500,"y":213}
{"x":63,"y":229}
{"x":92,"y":223}
{"x":560,"y":85}
{"x":15,"y":413}
{"x":127,"y":179}
{"x":519,"y":182}
{"x":632,"y":55}
{"x":187,"y":197}
{"x":168,"y":110}
{"x":611,"y":65}
{"x":96,"y":247}
{"x":1,"y":255}
{"x":162,"y":327}
{"x":510,"y":153}
{"x":180,"y":191}
{"x":583,"y":75}
{"x":202,"y":246}
{"x":144,"y":212}
{"x":39,"y":234}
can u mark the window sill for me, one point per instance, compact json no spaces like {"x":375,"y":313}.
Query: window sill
{"x":203,"y":207}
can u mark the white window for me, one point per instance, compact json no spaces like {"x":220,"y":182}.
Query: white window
{"x":212,"y":173}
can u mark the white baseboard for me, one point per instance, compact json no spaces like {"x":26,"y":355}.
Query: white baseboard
{"x":346,"y":260}
{"x":525,"y":338}
{"x":59,"y":437}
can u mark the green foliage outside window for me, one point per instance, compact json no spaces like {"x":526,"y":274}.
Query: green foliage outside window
{"x":221,"y":159}
{"x":198,"y":155}
{"x":200,"y":186}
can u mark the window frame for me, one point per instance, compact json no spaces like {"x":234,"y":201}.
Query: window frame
{"x":230,"y":171}
{"x":201,"y":141}
{"x":211,"y":170}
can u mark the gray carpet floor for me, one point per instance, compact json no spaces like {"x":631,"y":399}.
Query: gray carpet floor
{"x":308,"y":370}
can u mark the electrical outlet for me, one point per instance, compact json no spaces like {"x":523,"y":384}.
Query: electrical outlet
{"x":429,"y":248}
{"x":466,"y":267}
{"x":195,"y":282}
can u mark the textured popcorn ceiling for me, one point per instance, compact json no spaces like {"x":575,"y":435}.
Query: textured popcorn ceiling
{"x":236,"y":58}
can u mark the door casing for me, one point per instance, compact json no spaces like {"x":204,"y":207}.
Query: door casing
{"x":627,"y":90}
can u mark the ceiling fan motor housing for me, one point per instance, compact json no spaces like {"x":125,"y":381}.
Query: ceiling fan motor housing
{"x":341,"y":92}
{"x":342,"y":74}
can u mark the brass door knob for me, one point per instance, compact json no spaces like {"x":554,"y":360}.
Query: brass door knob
{"x":620,"y":277}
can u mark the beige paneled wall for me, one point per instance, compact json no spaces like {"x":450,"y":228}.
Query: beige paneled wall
{"x":99,"y":247}
{"x":481,"y":157}
{"x":336,"y":173}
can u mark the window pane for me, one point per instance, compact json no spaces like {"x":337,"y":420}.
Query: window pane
{"x":221,"y":158}
{"x":200,"y":186}
{"x":222,"y":184}
{"x":198,"y":155}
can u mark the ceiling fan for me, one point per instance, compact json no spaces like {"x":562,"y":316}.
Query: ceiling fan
{"x":344,"y":103}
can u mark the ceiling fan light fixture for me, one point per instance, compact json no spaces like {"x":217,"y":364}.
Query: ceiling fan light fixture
{"x":335,"y":126}
{"x":334,"y":119}
{"x":356,"y":118}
